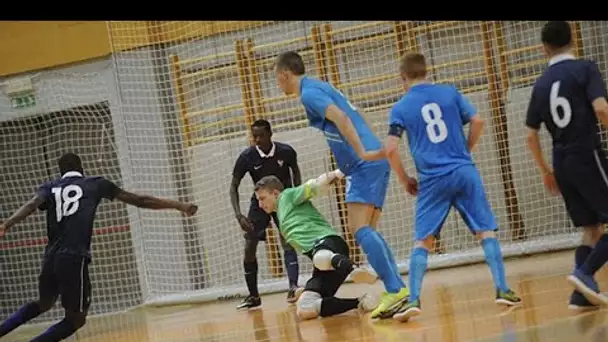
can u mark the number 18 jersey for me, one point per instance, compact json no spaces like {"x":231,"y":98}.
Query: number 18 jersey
{"x":433,"y":116}
{"x":71,"y":203}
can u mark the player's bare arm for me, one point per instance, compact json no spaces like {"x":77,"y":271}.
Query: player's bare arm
{"x":392,"y":152}
{"x":536,"y":149}
{"x":600,"y":107}
{"x":22,"y":213}
{"x":244,"y":222}
{"x":151,"y":202}
{"x":476,"y":125}
{"x":347,"y":129}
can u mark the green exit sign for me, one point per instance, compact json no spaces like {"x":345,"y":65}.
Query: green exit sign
{"x":23,"y":101}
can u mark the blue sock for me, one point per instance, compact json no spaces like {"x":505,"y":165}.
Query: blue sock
{"x":580,"y":255}
{"x":291,"y":263}
{"x":393,"y":263}
{"x":24,"y":314}
{"x":418,"y":263}
{"x":57,"y":332}
{"x":597,"y":258}
{"x":379,"y":257}
{"x":491,"y":249}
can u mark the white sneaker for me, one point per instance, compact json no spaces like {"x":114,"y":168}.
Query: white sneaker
{"x":368,"y":302}
{"x":363,"y":276}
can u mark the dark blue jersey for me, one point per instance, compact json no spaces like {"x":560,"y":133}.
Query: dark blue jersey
{"x":278,"y":162}
{"x":71,"y":203}
{"x":562,"y":99}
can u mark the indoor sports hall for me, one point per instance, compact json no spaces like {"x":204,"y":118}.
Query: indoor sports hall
{"x":164,"y":108}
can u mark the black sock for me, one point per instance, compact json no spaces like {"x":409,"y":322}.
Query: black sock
{"x":251,"y":277}
{"x":580,"y":255}
{"x":57,"y":332}
{"x":293,"y":269}
{"x":331,"y":306}
{"x":23,"y":315}
{"x":597,"y":258}
{"x":342,"y":263}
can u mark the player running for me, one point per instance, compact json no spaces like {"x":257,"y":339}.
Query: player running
{"x":71,"y":202}
{"x":304,"y":228}
{"x":569,"y":98}
{"x":350,"y":138}
{"x":265,"y":158}
{"x":432,"y":115}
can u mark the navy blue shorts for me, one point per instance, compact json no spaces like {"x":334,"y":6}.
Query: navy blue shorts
{"x":67,"y":276}
{"x":260,"y":220}
{"x":583,"y":182}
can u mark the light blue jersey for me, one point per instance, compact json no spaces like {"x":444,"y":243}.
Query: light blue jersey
{"x":366,"y":181}
{"x":433,"y":117}
{"x":316,"y":96}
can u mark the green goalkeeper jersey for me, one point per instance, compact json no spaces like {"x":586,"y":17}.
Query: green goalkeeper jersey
{"x":300,"y":223}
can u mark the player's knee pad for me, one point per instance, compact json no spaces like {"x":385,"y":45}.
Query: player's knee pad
{"x":309,"y":305}
{"x":322,"y":259}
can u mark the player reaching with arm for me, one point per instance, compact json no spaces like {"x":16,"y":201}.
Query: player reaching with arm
{"x":570,"y":99}
{"x":432,"y":116}
{"x":304,"y":228}
{"x":352,"y":141}
{"x":265,"y":158}
{"x":71,"y":202}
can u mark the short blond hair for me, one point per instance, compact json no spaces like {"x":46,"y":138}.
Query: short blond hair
{"x":413,"y":65}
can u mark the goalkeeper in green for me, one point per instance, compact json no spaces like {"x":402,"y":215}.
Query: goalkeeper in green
{"x":304,"y":228}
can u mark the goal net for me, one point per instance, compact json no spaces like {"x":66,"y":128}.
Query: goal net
{"x":168,"y":115}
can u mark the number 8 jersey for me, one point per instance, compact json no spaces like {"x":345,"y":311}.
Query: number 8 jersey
{"x":433,"y":116}
{"x":71,"y":203}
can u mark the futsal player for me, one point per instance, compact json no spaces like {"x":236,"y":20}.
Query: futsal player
{"x":70,"y":203}
{"x":304,"y":228}
{"x":367,"y":173}
{"x":569,"y":98}
{"x":265,"y":158}
{"x":433,"y":116}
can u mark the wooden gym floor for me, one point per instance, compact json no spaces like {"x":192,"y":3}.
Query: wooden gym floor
{"x":458,"y":306}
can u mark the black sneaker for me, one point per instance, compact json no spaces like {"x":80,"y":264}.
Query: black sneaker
{"x":249,"y":302}
{"x":293,"y":294}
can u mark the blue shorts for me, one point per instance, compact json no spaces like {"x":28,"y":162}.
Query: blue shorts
{"x":368,"y":184}
{"x":461,"y":188}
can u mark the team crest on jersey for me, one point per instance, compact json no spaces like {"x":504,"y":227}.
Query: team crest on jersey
{"x":280,"y":162}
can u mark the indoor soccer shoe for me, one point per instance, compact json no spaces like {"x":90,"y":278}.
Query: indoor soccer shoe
{"x":507,"y":298}
{"x":407,"y":311}
{"x":587,"y":286}
{"x":249,"y":302}
{"x":389,"y":303}
{"x":294,"y":293}
{"x":361,"y":275}
{"x":579,"y":302}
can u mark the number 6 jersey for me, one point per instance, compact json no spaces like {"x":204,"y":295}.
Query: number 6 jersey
{"x":71,"y":203}
{"x":433,"y":116}
{"x":562,"y":99}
